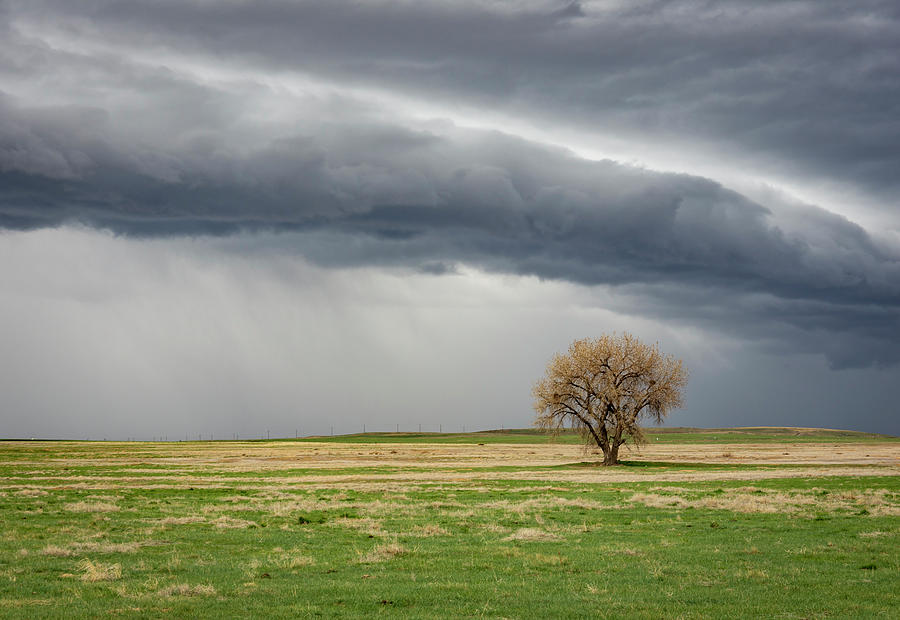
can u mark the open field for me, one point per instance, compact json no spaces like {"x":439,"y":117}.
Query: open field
{"x":769,"y":523}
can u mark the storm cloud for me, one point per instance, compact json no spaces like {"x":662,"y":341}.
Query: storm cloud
{"x":726,"y":167}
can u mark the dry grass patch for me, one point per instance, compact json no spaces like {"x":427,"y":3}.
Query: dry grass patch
{"x":184,"y":589}
{"x":31,"y":492}
{"x":382,"y":553}
{"x":677,"y":489}
{"x":285,"y":509}
{"x":511,"y":552}
{"x":24,"y":602}
{"x":57,"y":552}
{"x":755,"y":500}
{"x":91,"y":507}
{"x":580,"y":503}
{"x":381,"y":508}
{"x":879,"y":502}
{"x":735,"y":502}
{"x":290,"y":559}
{"x":210,"y":508}
{"x":366,"y":525}
{"x":104,"y":498}
{"x":444,"y":505}
{"x":95,"y":547}
{"x":532,"y":534}
{"x":95,"y":571}
{"x":181,"y":520}
{"x":876,"y":534}
{"x":656,"y":500}
{"x":754,"y":574}
{"x":90,"y":547}
{"x":273,"y":494}
{"x":497,"y":529}
{"x":523,"y":507}
{"x":425,"y":531}
{"x":232,"y":523}
{"x":233,"y":499}
{"x":544,"y":559}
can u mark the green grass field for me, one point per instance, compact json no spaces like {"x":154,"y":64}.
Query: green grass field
{"x":410,"y":528}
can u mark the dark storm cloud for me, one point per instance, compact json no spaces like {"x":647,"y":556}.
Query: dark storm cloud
{"x":472,"y":195}
{"x":807,"y":87}
{"x":94,"y":130}
{"x":391,"y":196}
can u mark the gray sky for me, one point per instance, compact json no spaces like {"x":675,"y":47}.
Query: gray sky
{"x":228,"y":217}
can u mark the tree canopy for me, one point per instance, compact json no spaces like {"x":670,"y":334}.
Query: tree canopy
{"x":604,"y":387}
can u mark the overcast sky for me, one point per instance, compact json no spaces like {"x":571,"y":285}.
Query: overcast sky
{"x":272,"y":215}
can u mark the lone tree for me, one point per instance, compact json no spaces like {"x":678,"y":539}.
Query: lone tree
{"x":602,"y":387}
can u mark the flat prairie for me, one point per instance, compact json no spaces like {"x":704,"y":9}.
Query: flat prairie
{"x":696,"y":523}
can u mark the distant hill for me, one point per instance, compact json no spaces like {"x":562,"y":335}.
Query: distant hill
{"x":678,"y":434}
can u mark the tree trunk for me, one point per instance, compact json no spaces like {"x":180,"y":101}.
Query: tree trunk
{"x":611,"y":454}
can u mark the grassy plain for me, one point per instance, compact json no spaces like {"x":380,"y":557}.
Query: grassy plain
{"x":768,"y":523}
